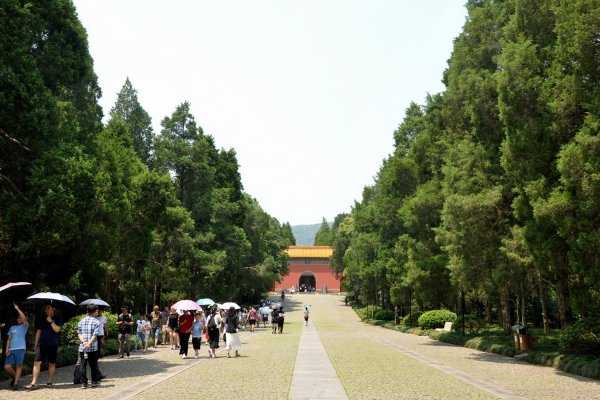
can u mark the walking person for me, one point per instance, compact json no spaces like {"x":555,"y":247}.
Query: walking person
{"x":280,"y":319}
{"x":173,"y":323}
{"x":185,"y":329}
{"x":252,"y":318}
{"x":142,"y":333}
{"x":274,"y":315}
{"x":233,"y":341}
{"x":87,"y":331}
{"x":155,"y":324}
{"x":15,"y":348}
{"x":164,"y":319}
{"x":197,"y":330}
{"x":47,"y":336}
{"x":243,"y":318}
{"x":213,"y":324}
{"x":265,"y":317}
{"x":125,"y":324}
{"x":102,"y":332}
{"x":306,"y":315}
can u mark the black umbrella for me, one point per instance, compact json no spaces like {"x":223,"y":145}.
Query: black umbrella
{"x":14,"y":292}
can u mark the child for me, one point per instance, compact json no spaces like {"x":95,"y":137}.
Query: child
{"x":197,"y":329}
{"x":147,"y":328}
{"x":140,"y":335}
{"x":15,"y":348}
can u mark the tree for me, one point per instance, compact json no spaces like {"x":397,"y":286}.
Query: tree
{"x":323,"y":236}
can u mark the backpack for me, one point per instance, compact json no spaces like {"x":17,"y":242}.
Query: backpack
{"x":212,"y":324}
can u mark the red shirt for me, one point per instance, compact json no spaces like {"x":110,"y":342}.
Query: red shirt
{"x":185,"y":323}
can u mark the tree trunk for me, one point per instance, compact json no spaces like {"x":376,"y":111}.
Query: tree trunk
{"x":505,"y":314}
{"x":562,"y":300}
{"x":522,"y":304}
{"x":544,"y":305}
{"x":488,"y":310}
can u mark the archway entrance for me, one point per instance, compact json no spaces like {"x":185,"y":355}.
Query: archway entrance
{"x":307,"y":281}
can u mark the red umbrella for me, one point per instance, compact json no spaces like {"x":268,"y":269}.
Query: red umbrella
{"x":15,"y":291}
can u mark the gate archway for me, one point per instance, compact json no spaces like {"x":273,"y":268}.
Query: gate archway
{"x":307,"y":278}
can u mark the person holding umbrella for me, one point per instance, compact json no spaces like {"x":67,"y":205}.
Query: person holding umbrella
{"x":15,"y":348}
{"x":47,"y":336}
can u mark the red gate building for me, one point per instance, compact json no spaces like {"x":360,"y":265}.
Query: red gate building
{"x":309,"y":266}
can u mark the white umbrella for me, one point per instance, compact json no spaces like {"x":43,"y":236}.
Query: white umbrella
{"x":228,"y":305}
{"x":97,"y":302}
{"x":266,"y":310}
{"x":50,"y":297}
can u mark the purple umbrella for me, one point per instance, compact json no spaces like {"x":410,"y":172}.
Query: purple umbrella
{"x":185,"y":305}
{"x":15,"y":291}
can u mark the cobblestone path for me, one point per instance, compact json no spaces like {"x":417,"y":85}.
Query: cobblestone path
{"x":370,"y":362}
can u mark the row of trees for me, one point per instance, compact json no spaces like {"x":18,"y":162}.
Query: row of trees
{"x":115,"y":210}
{"x":493,"y":188}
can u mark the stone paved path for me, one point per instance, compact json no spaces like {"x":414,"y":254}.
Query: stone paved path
{"x":370,"y":363}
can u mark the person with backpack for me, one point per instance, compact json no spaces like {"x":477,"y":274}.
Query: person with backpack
{"x":274,"y":315}
{"x":233,"y":337}
{"x":213,"y":327}
{"x":280,"y":319}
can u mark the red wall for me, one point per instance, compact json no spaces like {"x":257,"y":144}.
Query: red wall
{"x":323,"y":276}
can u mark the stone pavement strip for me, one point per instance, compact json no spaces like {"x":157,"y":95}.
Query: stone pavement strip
{"x":314,"y":376}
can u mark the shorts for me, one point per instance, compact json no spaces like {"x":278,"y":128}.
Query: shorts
{"x":16,"y":357}
{"x":252,"y":322}
{"x":172,"y":329}
{"x":196,"y":341}
{"x":46,"y":353}
{"x":164,"y":328}
{"x":155,"y":332}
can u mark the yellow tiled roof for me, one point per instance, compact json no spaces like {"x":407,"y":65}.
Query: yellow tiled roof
{"x":309,"y":251}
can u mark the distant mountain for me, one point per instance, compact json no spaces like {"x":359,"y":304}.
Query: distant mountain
{"x":305,"y":234}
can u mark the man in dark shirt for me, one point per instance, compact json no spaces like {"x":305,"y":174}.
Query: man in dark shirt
{"x":124,"y":322}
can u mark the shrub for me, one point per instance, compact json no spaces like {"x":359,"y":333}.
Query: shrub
{"x":472,"y":324}
{"x":385,"y":315}
{"x":69,"y":328}
{"x":582,"y":338}
{"x":411,"y":320}
{"x":435,"y":319}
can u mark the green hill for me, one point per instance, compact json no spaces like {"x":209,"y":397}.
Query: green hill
{"x":305,"y":234}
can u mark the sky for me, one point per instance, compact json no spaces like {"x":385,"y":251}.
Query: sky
{"x":308,"y":93}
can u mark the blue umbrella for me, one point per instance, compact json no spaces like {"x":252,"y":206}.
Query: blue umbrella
{"x":205,"y":302}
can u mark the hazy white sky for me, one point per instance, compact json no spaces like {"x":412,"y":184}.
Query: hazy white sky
{"x":308,"y":93}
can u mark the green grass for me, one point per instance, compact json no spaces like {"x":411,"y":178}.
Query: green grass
{"x":491,"y":339}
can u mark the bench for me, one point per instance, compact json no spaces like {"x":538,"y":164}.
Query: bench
{"x":447,"y":327}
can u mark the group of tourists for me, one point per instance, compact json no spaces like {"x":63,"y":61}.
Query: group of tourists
{"x":169,"y":327}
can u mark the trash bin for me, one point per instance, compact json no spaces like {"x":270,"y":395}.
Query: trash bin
{"x":521,"y":337}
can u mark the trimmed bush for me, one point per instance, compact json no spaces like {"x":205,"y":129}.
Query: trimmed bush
{"x":582,"y":338}
{"x":412,"y":320}
{"x":473,"y":325}
{"x":385,"y":315}
{"x":435,"y":319}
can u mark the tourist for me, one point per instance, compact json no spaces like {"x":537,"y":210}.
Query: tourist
{"x":173,"y":323}
{"x":213,"y":324}
{"x":274,"y":315}
{"x":87,"y":331}
{"x":306,"y":315}
{"x":15,"y":348}
{"x":155,"y":324}
{"x":140,"y":334}
{"x":243,"y":318}
{"x":265,"y":317}
{"x":233,"y":341}
{"x":125,"y":324}
{"x":164,"y":319}
{"x":185,"y":329}
{"x":252,"y":318}
{"x":102,"y":332}
{"x":282,"y":296}
{"x":197,"y":329}
{"x":47,"y":336}
{"x":280,"y":319}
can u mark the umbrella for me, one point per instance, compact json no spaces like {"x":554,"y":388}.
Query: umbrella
{"x":185,"y":305}
{"x":275,"y":305}
{"x":49,"y":297}
{"x":266,"y":310}
{"x":96,"y":302}
{"x":307,"y":306}
{"x":228,"y":305}
{"x":15,"y":291}
{"x":205,"y":302}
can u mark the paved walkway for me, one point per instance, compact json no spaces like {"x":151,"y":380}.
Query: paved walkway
{"x":361,"y":361}
{"x":314,"y":376}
